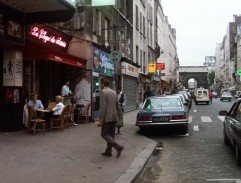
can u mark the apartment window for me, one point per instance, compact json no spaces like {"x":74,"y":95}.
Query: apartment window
{"x":144,"y":62}
{"x":97,"y":22}
{"x":144,"y":26}
{"x":141,"y":62}
{"x":137,"y":54}
{"x":106,"y":31}
{"x":140,"y":22}
{"x":137,"y":17}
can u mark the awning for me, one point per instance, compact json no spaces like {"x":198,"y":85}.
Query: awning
{"x":42,"y":11}
{"x":67,"y":60}
{"x":39,"y":52}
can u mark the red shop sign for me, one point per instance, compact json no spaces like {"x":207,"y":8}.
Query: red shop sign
{"x":48,"y":36}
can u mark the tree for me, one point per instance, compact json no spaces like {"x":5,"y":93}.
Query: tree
{"x":211,"y":77}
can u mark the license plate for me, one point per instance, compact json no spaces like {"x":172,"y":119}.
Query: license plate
{"x":160,"y":119}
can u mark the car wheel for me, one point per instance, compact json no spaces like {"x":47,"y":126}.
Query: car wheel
{"x":238,"y":154}
{"x":207,"y":103}
{"x":225,"y":138}
{"x":142,"y":129}
{"x":185,"y":129}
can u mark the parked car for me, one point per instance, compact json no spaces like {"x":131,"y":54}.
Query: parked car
{"x":226,"y":96}
{"x":158,"y":111}
{"x":215,"y":94}
{"x":232,"y":129}
{"x":184,"y":100}
{"x":188,"y":97}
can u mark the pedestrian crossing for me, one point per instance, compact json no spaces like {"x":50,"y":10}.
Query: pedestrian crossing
{"x":207,"y":119}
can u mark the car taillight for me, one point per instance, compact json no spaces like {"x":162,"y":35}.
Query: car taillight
{"x":143,"y":118}
{"x":176,"y":117}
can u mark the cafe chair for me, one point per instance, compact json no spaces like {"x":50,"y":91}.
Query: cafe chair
{"x":70,"y":115}
{"x":51,"y":105}
{"x":61,"y":120}
{"x":35,"y":123}
{"x":84,"y":112}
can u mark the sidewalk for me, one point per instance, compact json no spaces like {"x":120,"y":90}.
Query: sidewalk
{"x":72,"y":156}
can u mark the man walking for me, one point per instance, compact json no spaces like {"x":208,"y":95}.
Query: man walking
{"x":108,"y":118}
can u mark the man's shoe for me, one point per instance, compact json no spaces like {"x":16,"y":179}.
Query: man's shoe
{"x":119,"y":151}
{"x":75,"y":124}
{"x":106,"y":154}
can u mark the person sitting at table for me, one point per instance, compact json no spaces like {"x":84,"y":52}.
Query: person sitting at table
{"x":34,"y":102}
{"x":59,"y":106}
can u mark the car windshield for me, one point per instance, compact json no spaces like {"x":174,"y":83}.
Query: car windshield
{"x":159,"y":103}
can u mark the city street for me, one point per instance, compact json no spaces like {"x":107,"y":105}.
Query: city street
{"x":72,"y":156}
{"x":200,"y":156}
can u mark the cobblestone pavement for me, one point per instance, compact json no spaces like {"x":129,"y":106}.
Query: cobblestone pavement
{"x":72,"y":156}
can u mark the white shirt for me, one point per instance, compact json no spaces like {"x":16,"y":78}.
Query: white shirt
{"x":65,"y":91}
{"x":58,"y":108}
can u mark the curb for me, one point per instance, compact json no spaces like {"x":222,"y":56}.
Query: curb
{"x":138,"y":164}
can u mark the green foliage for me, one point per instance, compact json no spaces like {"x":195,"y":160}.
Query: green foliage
{"x":211,"y":77}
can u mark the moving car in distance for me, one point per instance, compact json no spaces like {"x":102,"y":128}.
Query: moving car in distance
{"x":226,"y":96}
{"x":158,"y":111}
{"x":201,"y":95}
{"x":215,"y":94}
{"x":232,"y":129}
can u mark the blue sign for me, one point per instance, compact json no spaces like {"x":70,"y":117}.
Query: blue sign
{"x":102,"y":63}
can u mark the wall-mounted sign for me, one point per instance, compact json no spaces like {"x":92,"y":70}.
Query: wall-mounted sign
{"x":152,"y":67}
{"x":160,"y":66}
{"x":48,"y":36}
{"x":129,"y":69}
{"x":239,"y":72}
{"x":14,"y":29}
{"x":102,"y":62}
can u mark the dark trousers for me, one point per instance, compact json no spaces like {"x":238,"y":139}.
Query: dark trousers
{"x":108,"y":133}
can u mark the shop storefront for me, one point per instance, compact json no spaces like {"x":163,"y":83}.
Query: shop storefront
{"x":130,"y":73}
{"x":13,"y":20}
{"x":47,"y":65}
{"x":155,"y":80}
{"x":144,"y":82}
{"x":11,"y":46}
{"x":102,"y":67}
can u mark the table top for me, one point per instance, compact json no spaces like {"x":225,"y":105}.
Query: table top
{"x":44,"y":110}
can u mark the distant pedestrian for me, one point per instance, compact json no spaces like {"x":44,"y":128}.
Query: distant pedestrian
{"x":108,"y":118}
{"x":147,"y":93}
{"x":210,"y":94}
{"x":122,"y":102}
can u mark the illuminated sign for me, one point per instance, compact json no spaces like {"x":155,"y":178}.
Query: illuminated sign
{"x":160,"y":66}
{"x":47,"y":37}
{"x":152,"y":67}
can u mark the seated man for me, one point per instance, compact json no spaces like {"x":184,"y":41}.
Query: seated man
{"x":34,"y":102}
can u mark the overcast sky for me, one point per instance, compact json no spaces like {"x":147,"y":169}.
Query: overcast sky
{"x":199,"y":24}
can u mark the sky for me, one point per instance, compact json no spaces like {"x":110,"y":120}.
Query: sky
{"x":199,"y":24}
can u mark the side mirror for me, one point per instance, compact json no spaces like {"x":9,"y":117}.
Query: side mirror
{"x":223,"y":113}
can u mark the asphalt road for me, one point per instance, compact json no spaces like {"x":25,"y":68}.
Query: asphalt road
{"x":197,"y":157}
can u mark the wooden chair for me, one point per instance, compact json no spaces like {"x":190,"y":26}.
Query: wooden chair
{"x":70,"y":115}
{"x":51,"y":105}
{"x":35,"y":121}
{"x":84,"y":112}
{"x":60,"y":121}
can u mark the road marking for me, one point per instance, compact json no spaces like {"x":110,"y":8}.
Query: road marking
{"x":221,"y":118}
{"x":196,"y":128}
{"x":206,"y":119}
{"x":189,"y":119}
{"x":224,"y":180}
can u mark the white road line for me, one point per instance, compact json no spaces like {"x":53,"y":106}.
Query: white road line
{"x":206,"y":119}
{"x":224,"y":180}
{"x":221,"y":118}
{"x":196,"y":128}
{"x":189,"y":119}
